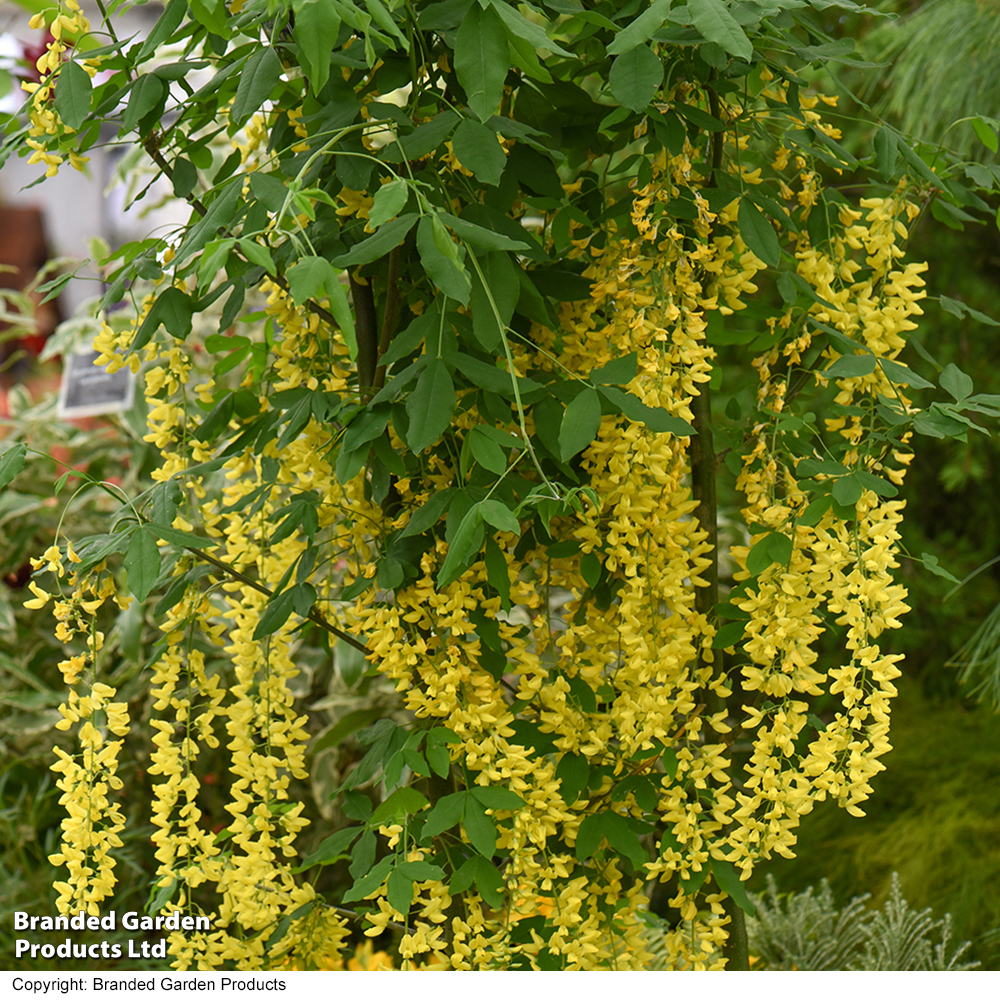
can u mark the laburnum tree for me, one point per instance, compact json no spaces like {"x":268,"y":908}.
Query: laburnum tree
{"x":508,"y":302}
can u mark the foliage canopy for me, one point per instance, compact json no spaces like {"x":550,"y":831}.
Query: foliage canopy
{"x":510,"y":252}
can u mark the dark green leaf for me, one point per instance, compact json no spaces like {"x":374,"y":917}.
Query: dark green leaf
{"x":379,"y":244}
{"x":73,"y":94}
{"x":399,"y":892}
{"x":728,"y":635}
{"x":635,"y":77}
{"x":479,"y":828}
{"x":954,"y":381}
{"x":848,"y":490}
{"x":758,"y":233}
{"x":148,"y":93}
{"x":496,"y":797}
{"x":330,"y":850}
{"x":495,"y":513}
{"x":851,"y":366}
{"x":403,"y":802}
{"x":478,"y":149}
{"x":462,"y":547}
{"x":580,"y":424}
{"x":276,"y":613}
{"x":573,"y":773}
{"x":430,"y":406}
{"x":446,"y":813}
{"x":258,"y":77}
{"x":142,"y":562}
{"x":390,"y":200}
{"x":621,"y":371}
{"x":488,"y":880}
{"x":657,"y":419}
{"x":420,"y":871}
{"x":12,"y":463}
{"x":315,"y":29}
{"x":716,"y":24}
{"x":482,"y":59}
{"x":900,"y":374}
{"x":729,"y":882}
{"x":367,"y":884}
{"x":441,"y":260}
{"x":641,"y":29}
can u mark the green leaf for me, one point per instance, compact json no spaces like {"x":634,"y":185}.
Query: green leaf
{"x":330,"y":850}
{"x":987,"y":135}
{"x":851,"y":366}
{"x":520,"y":27}
{"x":954,"y":381}
{"x":729,"y":882}
{"x":621,"y":371}
{"x":257,"y":254}
{"x":580,"y":423}
{"x":73,"y":94}
{"x":148,"y":93}
{"x":390,"y":200}
{"x":931,"y":562}
{"x":488,"y":454}
{"x":758,"y":233}
{"x":276,"y":612}
{"x":479,"y":828}
{"x":848,"y":490}
{"x":420,"y":871}
{"x":257,"y":79}
{"x":488,"y":880}
{"x":809,"y":467}
{"x":876,"y":484}
{"x":900,"y":374}
{"x":430,"y":406}
{"x":12,"y":463}
{"x":379,"y":244}
{"x":462,"y":546}
{"x":497,"y":574}
{"x":635,"y":77}
{"x":641,"y":29}
{"x":479,"y":150}
{"x":480,"y":237}
{"x":496,"y":797}
{"x":657,"y":419}
{"x":728,"y":635}
{"x":182,"y":538}
{"x":315,"y":30}
{"x":573,"y":774}
{"x":590,"y":835}
{"x":716,"y":24}
{"x":212,"y":14}
{"x":482,"y":59}
{"x":441,"y":260}
{"x":404,"y":801}
{"x":495,"y":513}
{"x":399,"y":891}
{"x":142,"y":562}
{"x":447,"y":812}
{"x":500,"y":275}
{"x":885,"y":152}
{"x":367,"y":884}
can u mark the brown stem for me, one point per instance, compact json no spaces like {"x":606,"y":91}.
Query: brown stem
{"x":366,"y":329}
{"x":314,"y":616}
